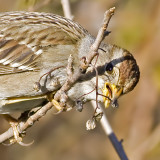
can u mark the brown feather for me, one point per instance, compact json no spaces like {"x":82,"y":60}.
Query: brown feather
{"x":28,"y":34}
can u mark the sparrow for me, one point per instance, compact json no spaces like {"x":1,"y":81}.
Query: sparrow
{"x":34,"y":52}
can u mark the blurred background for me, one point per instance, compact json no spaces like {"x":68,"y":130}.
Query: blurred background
{"x":136,"y":27}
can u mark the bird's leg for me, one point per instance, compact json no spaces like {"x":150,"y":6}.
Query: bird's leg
{"x":14,"y":123}
{"x":63,"y":105}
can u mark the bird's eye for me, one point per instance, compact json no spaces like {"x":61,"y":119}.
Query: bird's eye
{"x":109,"y":67}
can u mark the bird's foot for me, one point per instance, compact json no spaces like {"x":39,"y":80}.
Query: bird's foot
{"x":17,"y":138}
{"x":17,"y":135}
{"x":57,"y":105}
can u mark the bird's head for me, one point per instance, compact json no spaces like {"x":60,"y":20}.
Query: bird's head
{"x":119,"y":70}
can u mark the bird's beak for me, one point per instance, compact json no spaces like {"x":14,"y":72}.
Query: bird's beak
{"x":111,"y":93}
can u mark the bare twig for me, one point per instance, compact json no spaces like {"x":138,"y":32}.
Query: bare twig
{"x":92,"y":53}
{"x":24,"y":125}
{"x":109,"y":132}
{"x":107,"y":16}
{"x":67,"y":9}
{"x":100,"y":36}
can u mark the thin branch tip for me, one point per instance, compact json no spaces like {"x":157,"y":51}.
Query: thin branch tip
{"x":112,"y":9}
{"x":110,"y":12}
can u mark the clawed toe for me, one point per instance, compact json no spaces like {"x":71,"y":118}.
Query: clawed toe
{"x":17,"y":135}
{"x":57,"y":106}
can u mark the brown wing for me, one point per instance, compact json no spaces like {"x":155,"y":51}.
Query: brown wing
{"x":15,"y":57}
{"x":25,"y":35}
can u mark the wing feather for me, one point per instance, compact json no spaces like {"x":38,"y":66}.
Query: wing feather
{"x":25,"y":35}
{"x":15,"y":57}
